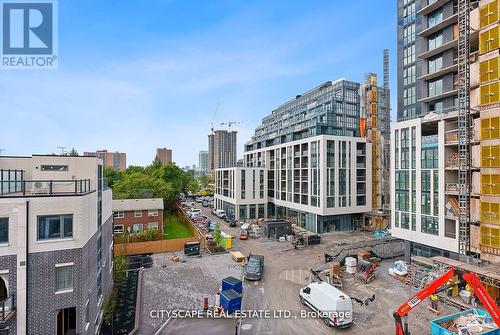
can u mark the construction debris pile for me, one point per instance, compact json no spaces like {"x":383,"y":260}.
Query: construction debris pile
{"x":469,"y":324}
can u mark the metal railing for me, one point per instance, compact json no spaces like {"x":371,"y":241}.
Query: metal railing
{"x":45,"y":187}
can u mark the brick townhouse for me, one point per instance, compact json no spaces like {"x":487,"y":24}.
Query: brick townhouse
{"x":137,"y":215}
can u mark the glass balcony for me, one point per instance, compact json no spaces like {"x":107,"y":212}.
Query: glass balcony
{"x":25,"y":188}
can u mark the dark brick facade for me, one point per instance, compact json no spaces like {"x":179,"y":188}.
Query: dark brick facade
{"x":43,"y":302}
{"x":9,"y":263}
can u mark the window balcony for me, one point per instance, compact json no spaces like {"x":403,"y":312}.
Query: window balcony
{"x":443,"y":47}
{"x":442,"y":71}
{"x":438,"y":26}
{"x":44,"y":188}
{"x":431,"y":6}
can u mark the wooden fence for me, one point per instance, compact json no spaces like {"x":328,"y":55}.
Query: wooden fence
{"x":155,"y":247}
{"x":160,"y":245}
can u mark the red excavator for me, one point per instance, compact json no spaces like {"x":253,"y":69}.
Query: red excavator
{"x":439,"y":285}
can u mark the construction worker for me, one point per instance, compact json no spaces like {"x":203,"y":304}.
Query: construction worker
{"x":449,"y":290}
{"x":468,"y":288}
{"x":434,"y":302}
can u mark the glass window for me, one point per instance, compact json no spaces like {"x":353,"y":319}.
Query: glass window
{"x":118,"y":229}
{"x":409,"y":55}
{"x":435,"y":40}
{"x":409,"y":75}
{"x":409,"y":13}
{"x":435,"y":64}
{"x":4,"y":230}
{"x":55,"y":226}
{"x":435,"y":87}
{"x":138,"y":227}
{"x":118,"y":215}
{"x":153,"y":225}
{"x":409,"y":96}
{"x":435,"y":17}
{"x":64,"y":278}
{"x":152,"y":212}
{"x":54,"y":168}
{"x":137,"y":214}
{"x":409,"y":34}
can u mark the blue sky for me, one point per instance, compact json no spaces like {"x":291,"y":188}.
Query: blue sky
{"x":136,"y":75}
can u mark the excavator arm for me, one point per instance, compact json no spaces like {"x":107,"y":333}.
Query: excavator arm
{"x":437,"y":286}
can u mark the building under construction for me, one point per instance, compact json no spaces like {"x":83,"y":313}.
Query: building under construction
{"x":375,"y":126}
{"x":445,"y":175}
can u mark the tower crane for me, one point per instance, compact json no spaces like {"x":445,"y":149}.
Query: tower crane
{"x":230,"y":123}
{"x":213,"y":118}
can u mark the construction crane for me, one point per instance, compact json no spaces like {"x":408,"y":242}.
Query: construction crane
{"x":439,"y":285}
{"x":62,"y":150}
{"x":230,"y":123}
{"x":213,"y":118}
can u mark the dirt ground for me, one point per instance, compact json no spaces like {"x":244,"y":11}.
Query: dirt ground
{"x":286,"y":271}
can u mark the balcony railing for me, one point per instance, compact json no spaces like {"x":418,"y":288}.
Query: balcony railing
{"x":44,"y":187}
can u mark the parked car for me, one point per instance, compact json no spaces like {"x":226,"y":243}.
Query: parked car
{"x":254,"y":267}
{"x":220,"y":213}
{"x":322,"y":297}
{"x":193,"y":212}
{"x":198,"y":199}
{"x":232,"y":223}
{"x":205,"y":203}
{"x":214,"y":211}
{"x":244,"y":230}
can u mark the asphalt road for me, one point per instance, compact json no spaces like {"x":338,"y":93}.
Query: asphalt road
{"x":286,"y":270}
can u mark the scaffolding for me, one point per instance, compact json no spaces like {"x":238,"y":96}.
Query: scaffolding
{"x":377,"y":116}
{"x":464,"y":171}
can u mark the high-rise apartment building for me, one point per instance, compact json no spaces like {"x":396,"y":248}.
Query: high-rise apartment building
{"x":203,"y":161}
{"x":116,"y":160}
{"x":164,"y":155}
{"x":222,"y":149}
{"x":425,"y":142}
{"x":306,"y":162}
{"x":56,"y":234}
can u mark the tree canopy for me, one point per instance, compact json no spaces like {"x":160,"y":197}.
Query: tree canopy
{"x":156,"y":180}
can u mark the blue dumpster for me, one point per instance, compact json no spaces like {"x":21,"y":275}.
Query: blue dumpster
{"x":230,"y":301}
{"x":231,"y":283}
{"x":437,"y":329}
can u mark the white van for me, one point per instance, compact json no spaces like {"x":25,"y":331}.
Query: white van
{"x":328,"y":303}
{"x":220,"y":213}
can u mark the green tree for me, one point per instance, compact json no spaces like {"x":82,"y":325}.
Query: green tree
{"x":204,"y":181}
{"x":135,"y":185}
{"x":134,"y":168}
{"x":194,"y":186}
{"x":112,"y":175}
{"x":217,"y":235}
{"x":73,"y":152}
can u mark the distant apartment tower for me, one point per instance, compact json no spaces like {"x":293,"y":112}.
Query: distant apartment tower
{"x":116,"y":160}
{"x":203,"y":161}
{"x":164,"y":155}
{"x":222,"y":149}
{"x":56,"y":250}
